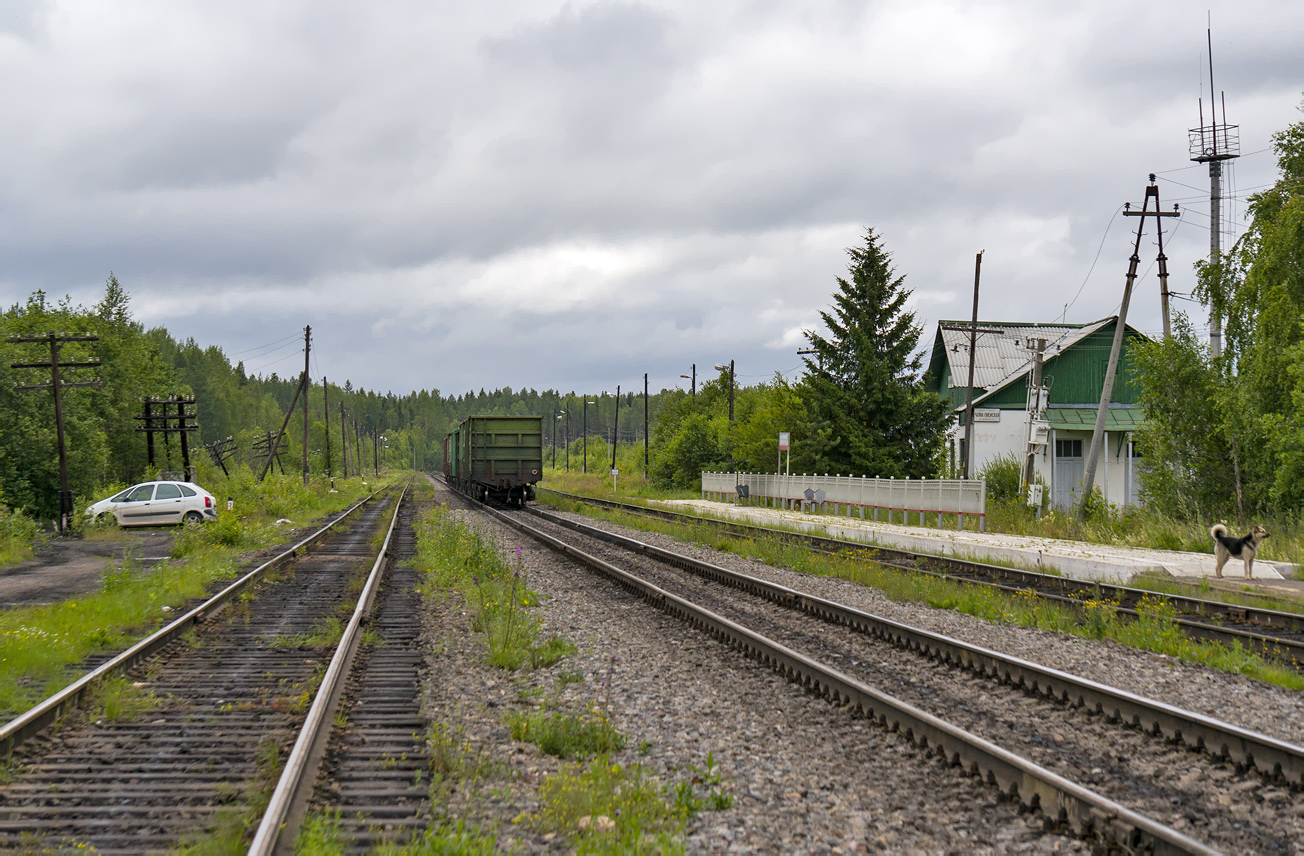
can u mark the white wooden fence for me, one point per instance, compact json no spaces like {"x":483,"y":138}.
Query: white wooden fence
{"x":844,"y":493}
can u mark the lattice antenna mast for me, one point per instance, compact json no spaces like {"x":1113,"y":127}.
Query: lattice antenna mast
{"x":1213,"y":143}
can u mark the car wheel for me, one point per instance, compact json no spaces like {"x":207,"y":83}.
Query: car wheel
{"x":192,"y":518}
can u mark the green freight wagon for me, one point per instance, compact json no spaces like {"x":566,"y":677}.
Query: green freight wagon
{"x":497,"y":458}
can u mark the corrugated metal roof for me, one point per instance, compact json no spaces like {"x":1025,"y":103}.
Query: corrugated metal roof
{"x":999,"y":356}
{"x":1084,"y":418}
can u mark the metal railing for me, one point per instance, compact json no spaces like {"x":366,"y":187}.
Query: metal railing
{"x":815,"y":492}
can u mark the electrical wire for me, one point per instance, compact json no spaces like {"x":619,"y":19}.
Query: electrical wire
{"x":1069,"y":305}
{"x":260,"y":347}
{"x":272,"y":363}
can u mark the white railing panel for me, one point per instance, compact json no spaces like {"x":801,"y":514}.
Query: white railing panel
{"x":935,"y":496}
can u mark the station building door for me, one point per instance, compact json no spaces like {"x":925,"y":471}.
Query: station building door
{"x":1069,"y":469}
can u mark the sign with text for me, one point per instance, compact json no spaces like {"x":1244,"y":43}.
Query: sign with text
{"x":986,"y":414}
{"x":783,"y":441}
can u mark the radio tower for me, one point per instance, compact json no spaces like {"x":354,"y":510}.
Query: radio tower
{"x":1212,"y":144}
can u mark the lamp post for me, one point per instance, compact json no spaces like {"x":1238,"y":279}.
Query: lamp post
{"x":693,"y":378}
{"x":585,"y":464}
{"x":720,"y":367}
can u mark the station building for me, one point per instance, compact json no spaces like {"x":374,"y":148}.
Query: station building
{"x":1059,"y":422}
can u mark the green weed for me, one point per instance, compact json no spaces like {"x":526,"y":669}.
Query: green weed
{"x":567,"y":735}
{"x":606,"y":808}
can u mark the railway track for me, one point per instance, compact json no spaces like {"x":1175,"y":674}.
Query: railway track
{"x":217,"y":708}
{"x":797,"y":646}
{"x":1271,"y":633}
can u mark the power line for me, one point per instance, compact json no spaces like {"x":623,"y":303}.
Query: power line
{"x":268,"y":345}
{"x":1069,"y":305}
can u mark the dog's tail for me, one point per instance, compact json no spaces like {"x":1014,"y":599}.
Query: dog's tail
{"x":1219,"y":530}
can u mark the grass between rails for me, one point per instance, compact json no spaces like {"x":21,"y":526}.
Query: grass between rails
{"x":41,"y":646}
{"x":600,"y":804}
{"x":1155,"y":630}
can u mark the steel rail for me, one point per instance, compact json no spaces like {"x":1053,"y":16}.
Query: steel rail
{"x":1272,"y":757}
{"x":1286,"y":651}
{"x":1038,"y":789}
{"x":28,"y":724}
{"x":284,"y":809}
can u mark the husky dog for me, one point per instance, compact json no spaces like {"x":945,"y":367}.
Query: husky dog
{"x":1225,"y":548}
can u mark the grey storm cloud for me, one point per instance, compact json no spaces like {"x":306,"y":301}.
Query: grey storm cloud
{"x":570,"y":194}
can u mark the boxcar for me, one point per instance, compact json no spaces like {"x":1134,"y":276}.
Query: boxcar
{"x":497,"y":458}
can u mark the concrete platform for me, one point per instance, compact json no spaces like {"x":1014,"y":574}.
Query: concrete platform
{"x":1075,"y":559}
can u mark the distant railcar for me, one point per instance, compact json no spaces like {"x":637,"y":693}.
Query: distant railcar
{"x":498,"y":458}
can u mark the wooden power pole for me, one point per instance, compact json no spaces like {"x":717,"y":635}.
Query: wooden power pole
{"x":307,"y":384}
{"x":326,"y":418}
{"x":1107,"y":390}
{"x":57,"y":385}
{"x":973,"y":355}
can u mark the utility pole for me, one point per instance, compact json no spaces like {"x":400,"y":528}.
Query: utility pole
{"x":973,"y":347}
{"x":645,"y":434}
{"x":271,"y":452}
{"x":1034,"y":411}
{"x":584,"y":463}
{"x":344,"y":440}
{"x":307,"y":384}
{"x":722,"y":367}
{"x":694,"y":380}
{"x":1107,"y":391}
{"x":375,"y":450}
{"x":326,"y":417}
{"x":57,"y":385}
{"x":568,"y":438}
{"x":615,"y":427}
{"x":806,"y":352}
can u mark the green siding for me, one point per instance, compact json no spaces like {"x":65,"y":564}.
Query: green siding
{"x":1075,"y":376}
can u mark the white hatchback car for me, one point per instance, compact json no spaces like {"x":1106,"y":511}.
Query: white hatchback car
{"x":159,"y":503}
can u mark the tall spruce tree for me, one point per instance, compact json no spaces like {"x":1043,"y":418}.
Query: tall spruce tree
{"x":863,"y":386}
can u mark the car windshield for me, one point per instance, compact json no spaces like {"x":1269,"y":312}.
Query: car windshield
{"x":122,"y":497}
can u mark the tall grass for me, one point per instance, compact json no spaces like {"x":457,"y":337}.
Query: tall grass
{"x":454,"y":557}
{"x":41,"y":646}
{"x":19,"y":536}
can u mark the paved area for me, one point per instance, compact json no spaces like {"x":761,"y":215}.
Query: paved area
{"x":1072,"y":558}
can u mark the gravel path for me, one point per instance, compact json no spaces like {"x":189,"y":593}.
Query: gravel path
{"x":806,"y":777}
{"x":1188,"y":791}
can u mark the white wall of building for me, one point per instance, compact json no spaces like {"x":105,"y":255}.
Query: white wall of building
{"x":1009,"y":435}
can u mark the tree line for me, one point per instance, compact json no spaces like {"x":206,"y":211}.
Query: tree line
{"x":1220,"y":434}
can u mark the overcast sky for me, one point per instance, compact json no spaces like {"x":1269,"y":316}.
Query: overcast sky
{"x":568,"y":195}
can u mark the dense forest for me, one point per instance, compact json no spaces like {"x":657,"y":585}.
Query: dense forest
{"x":836,"y":414}
{"x":106,"y":448}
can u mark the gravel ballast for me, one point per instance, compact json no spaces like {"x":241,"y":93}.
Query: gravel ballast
{"x":805,"y":776}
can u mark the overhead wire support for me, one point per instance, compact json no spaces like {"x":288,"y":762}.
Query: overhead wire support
{"x":57,"y":384}
{"x":1107,"y":389}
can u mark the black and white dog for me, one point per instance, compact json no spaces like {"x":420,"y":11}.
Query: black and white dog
{"x":1225,"y":548}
